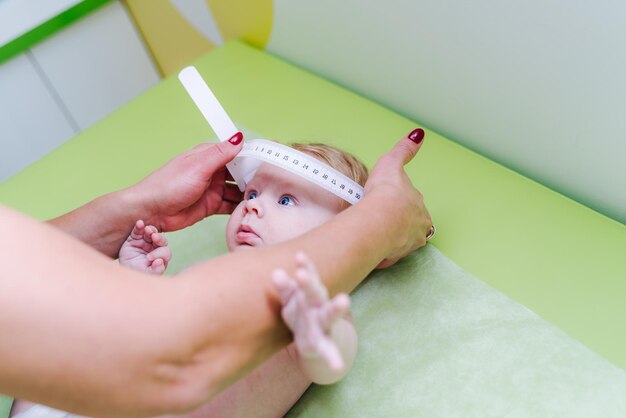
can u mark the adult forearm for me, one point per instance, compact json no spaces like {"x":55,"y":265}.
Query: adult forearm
{"x":98,"y":339}
{"x":128,"y":344}
{"x":103,"y":223}
{"x":76,"y":328}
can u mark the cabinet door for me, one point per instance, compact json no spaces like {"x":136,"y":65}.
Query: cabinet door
{"x":97,"y":64}
{"x":31,"y":121}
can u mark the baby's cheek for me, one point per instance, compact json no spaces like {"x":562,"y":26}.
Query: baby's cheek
{"x":301,"y":226}
{"x":231,"y":227}
{"x":281,"y":230}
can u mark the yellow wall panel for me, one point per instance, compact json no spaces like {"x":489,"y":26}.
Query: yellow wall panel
{"x":248,"y":20}
{"x":175,"y":42}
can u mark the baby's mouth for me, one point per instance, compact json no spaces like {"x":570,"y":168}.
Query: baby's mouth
{"x":247,"y":235}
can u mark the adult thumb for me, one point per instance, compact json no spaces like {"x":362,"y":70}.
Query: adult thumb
{"x":217,"y":155}
{"x":408,"y":146}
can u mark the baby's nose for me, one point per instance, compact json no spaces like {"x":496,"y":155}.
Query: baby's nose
{"x":254,"y":206}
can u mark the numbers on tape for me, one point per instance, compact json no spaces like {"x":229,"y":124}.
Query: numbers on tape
{"x":257,"y":151}
{"x":299,"y":163}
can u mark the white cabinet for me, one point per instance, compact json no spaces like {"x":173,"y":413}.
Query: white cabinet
{"x":67,"y":82}
{"x":31,"y":122}
{"x":97,"y":64}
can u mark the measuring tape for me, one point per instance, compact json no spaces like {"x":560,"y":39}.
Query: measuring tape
{"x":259,"y":151}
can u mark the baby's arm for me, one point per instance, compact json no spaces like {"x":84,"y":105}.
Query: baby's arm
{"x":145,"y":249}
{"x":325,"y":337}
{"x":269,"y":391}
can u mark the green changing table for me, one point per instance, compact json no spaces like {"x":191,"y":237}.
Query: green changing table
{"x":558,"y":258}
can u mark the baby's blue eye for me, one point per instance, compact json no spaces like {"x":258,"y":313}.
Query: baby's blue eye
{"x":286,"y":201}
{"x":252,"y":195}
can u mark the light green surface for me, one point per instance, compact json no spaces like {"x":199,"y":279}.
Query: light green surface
{"x":560,"y":259}
{"x":5,"y":406}
{"x":436,"y":342}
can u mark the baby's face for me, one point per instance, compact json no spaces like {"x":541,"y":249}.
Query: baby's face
{"x":278,"y":206}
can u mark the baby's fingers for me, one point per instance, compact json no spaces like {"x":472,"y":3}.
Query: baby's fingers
{"x":157,"y":267}
{"x":309,"y":280}
{"x":329,"y":351}
{"x":148,"y":231}
{"x":284,"y":285}
{"x":292,"y":313}
{"x":164,"y":253}
{"x":138,"y":229}
{"x":337,"y":308}
{"x":159,"y":239}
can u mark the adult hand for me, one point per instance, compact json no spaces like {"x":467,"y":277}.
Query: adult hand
{"x":405,"y":208}
{"x":191,"y":186}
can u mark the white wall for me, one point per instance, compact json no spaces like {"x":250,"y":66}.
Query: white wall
{"x":67,"y":82}
{"x":538,"y":86}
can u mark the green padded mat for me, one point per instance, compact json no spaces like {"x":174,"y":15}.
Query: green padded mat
{"x":5,"y":406}
{"x":436,"y":342}
{"x":560,"y":259}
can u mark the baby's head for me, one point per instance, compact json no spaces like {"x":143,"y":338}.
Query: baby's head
{"x":279,"y":205}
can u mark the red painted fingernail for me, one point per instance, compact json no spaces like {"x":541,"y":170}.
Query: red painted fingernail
{"x":417,"y":135}
{"x":236,"y":139}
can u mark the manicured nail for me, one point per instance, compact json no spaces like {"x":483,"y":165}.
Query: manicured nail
{"x":236,"y":139}
{"x":417,"y":135}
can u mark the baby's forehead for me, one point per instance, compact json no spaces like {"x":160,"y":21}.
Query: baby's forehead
{"x":270,"y":174}
{"x":270,"y":177}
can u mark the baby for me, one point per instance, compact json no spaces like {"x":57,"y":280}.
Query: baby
{"x":277,"y":206}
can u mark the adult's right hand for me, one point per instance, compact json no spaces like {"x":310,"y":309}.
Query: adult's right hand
{"x":405,"y":213}
{"x":190,"y":187}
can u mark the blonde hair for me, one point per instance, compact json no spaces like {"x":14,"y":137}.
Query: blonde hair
{"x":340,"y":160}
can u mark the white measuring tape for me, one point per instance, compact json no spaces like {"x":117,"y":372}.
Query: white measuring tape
{"x":259,"y":151}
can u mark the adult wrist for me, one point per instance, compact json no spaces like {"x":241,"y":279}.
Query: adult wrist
{"x":136,"y":205}
{"x":380,"y":226}
{"x":383,"y":204}
{"x":386,"y":212}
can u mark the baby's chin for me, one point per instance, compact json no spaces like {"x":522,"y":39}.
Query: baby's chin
{"x":243,"y":247}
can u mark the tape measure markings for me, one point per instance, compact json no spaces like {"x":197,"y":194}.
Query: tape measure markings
{"x":254,"y":152}
{"x":303,"y":165}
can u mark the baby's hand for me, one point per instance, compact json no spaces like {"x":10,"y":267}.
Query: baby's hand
{"x":145,"y":249}
{"x":309,"y":313}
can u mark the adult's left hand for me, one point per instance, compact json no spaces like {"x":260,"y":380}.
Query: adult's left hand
{"x":191,"y":186}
